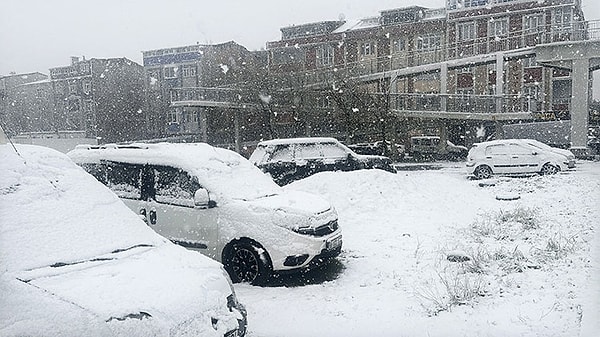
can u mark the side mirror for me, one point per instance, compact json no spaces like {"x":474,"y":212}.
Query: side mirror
{"x":202,"y":199}
{"x":534,"y":153}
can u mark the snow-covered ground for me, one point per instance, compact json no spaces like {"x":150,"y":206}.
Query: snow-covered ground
{"x":533,"y":266}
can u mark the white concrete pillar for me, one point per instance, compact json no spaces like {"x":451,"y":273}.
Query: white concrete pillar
{"x":444,"y":86}
{"x":499,"y":81}
{"x":580,"y":105}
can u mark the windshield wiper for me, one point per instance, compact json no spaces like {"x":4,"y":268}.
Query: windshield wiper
{"x":98,"y":259}
{"x":132,"y":247}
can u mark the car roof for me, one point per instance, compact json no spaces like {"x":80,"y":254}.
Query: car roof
{"x":302,"y":140}
{"x":182,"y":155}
{"x":502,"y":141}
{"x":220,"y":170}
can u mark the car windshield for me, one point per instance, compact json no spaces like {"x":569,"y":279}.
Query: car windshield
{"x":53,"y":213}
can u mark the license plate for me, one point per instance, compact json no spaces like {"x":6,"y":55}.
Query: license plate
{"x":334,"y":243}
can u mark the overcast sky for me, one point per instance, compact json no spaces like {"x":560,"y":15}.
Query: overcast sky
{"x":36,"y":35}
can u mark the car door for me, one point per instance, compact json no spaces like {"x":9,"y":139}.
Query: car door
{"x":524,"y":159}
{"x":173,"y":214}
{"x":498,"y":158}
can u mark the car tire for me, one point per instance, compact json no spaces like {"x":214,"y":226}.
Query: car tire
{"x":247,"y":263}
{"x":549,"y":169}
{"x":483,"y":172}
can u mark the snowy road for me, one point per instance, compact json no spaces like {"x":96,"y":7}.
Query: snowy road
{"x":535,"y":277}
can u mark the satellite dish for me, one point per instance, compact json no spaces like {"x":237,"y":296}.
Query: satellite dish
{"x":341,"y":17}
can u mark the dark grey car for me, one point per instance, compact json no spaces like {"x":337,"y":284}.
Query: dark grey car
{"x":287,"y":160}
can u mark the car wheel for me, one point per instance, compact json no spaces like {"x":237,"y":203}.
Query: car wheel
{"x":549,"y":169}
{"x":483,"y":172}
{"x":247,"y":263}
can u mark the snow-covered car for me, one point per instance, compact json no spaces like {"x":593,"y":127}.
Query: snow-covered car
{"x":75,"y":261}
{"x":570,"y":156}
{"x":430,"y":147}
{"x":291,"y":159}
{"x":378,"y":148}
{"x":512,"y":157}
{"x":215,"y":201}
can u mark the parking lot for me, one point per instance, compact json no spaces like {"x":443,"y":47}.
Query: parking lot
{"x":394,"y":277}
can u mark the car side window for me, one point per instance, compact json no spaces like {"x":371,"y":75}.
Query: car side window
{"x":124,"y":180}
{"x":518,"y":149}
{"x":496,"y":150}
{"x":308,"y":151}
{"x":174,"y":186}
{"x":332,"y":150}
{"x":282,"y":153}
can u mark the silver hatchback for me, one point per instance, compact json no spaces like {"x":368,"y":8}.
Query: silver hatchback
{"x":512,"y":157}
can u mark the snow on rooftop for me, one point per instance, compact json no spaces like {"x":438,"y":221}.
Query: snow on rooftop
{"x":358,"y":24}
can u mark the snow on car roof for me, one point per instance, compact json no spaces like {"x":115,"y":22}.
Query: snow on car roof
{"x":53,"y":212}
{"x":221,"y":171}
{"x":304,"y":140}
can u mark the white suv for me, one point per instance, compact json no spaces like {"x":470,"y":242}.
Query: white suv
{"x":512,"y":157}
{"x":215,"y":201}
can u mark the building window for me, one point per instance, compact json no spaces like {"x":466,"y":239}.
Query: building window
{"x":87,"y":86}
{"x":172,"y":116}
{"x":533,"y":23}
{"x":399,"y":45}
{"x":188,"y":71}
{"x":288,"y":55}
{"x":465,"y":31}
{"x":530,"y":62}
{"x":429,"y":42}
{"x":367,"y":49}
{"x":88,"y":106}
{"x":84,"y":68}
{"x":153,"y":77}
{"x":325,"y":55}
{"x":170,"y":72}
{"x":174,"y":95}
{"x":72,"y":88}
{"x":563,"y":18}
{"x":498,"y":28}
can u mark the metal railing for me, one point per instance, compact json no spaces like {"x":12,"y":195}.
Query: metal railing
{"x":512,"y":41}
{"x":474,"y":104}
{"x":214,"y":96}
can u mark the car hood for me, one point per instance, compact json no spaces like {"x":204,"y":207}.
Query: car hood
{"x":294,"y":202}
{"x":126,"y":291}
{"x":564,"y":152}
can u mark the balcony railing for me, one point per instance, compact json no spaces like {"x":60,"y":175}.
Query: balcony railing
{"x":450,"y":50}
{"x":473,"y":104}
{"x":212,"y":97}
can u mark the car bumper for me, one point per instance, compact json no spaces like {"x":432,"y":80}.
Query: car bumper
{"x":317,"y":250}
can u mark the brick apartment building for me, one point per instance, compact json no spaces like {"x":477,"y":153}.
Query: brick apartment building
{"x":421,"y":59}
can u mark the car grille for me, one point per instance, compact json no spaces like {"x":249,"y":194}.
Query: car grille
{"x":326,"y":229}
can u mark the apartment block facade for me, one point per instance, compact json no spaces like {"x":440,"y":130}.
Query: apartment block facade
{"x":182,"y":75}
{"x":103,"y":97}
